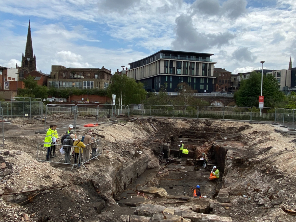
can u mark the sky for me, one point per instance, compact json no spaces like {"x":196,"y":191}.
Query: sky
{"x":114,"y":33}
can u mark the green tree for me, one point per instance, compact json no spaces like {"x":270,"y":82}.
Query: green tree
{"x":250,"y":90}
{"x":160,"y":98}
{"x":131,"y":91}
{"x":32,"y":89}
{"x":291,"y":101}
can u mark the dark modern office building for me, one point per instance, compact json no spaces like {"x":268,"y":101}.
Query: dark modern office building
{"x":168,"y":68}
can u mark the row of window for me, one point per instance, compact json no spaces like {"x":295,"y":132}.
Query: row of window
{"x":222,"y":81}
{"x":79,"y":75}
{"x":81,"y":85}
{"x":194,"y":87}
{"x":188,"y":68}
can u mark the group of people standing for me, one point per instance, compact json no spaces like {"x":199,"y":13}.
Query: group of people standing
{"x":79,"y":146}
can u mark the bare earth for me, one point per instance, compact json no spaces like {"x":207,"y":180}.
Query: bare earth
{"x":257,"y":183}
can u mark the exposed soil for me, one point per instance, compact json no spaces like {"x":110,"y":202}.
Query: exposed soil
{"x":139,"y":177}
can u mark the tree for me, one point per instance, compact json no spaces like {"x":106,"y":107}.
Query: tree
{"x":162,"y":98}
{"x":185,"y":94}
{"x":32,"y":89}
{"x":131,"y":91}
{"x":250,"y":90}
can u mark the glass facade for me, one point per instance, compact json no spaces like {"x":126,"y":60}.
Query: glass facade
{"x":179,"y":67}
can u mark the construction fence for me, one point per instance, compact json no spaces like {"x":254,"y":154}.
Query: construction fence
{"x":30,"y":109}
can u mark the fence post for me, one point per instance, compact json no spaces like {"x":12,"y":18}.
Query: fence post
{"x":11,"y":108}
{"x":223,"y":111}
{"x":173,"y":111}
{"x":30,"y":108}
{"x":293,"y":119}
{"x":2,"y":126}
{"x":275,"y":115}
{"x":251,"y":114}
{"x":128,"y":110}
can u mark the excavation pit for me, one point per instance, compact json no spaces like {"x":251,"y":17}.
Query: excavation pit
{"x":139,"y":177}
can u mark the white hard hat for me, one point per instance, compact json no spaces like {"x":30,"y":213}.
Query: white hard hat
{"x":71,"y":126}
{"x":181,"y":141}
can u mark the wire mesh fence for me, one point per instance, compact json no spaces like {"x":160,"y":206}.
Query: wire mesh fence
{"x":27,"y":109}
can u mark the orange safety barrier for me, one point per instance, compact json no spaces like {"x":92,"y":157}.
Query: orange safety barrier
{"x":90,"y":125}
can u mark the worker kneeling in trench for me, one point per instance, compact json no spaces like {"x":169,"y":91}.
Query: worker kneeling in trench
{"x":214,"y":173}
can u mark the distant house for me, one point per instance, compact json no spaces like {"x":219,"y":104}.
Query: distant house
{"x":223,"y":80}
{"x":82,"y":78}
{"x":168,"y":68}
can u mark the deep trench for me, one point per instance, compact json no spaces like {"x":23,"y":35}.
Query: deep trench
{"x":178,"y":176}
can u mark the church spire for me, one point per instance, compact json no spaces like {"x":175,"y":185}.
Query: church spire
{"x":290,"y":64}
{"x":29,"y":46}
{"x":29,"y":59}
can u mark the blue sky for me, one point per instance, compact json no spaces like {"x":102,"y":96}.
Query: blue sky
{"x":113,"y":33}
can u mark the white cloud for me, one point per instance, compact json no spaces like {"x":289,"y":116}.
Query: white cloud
{"x":12,"y":63}
{"x":243,"y":70}
{"x":112,"y":33}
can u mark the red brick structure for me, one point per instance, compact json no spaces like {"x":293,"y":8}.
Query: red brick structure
{"x":223,"y":80}
{"x":39,"y":77}
{"x":82,"y":78}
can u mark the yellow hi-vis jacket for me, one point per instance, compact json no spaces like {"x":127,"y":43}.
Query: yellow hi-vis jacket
{"x":216,"y":173}
{"x":182,"y":146}
{"x":55,"y":134}
{"x":185,"y":151}
{"x":78,"y":145}
{"x":48,"y":138}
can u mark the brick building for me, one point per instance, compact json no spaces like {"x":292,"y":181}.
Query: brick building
{"x":223,"y":80}
{"x":82,"y":78}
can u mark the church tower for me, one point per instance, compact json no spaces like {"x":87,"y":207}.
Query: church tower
{"x":29,"y":59}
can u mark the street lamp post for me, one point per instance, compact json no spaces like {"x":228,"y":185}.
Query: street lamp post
{"x":121,"y":91}
{"x":261,"y":87}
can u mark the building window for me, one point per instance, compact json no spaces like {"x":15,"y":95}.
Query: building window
{"x":179,"y":67}
{"x":88,"y":84}
{"x":191,"y":72}
{"x":185,"y":68}
{"x":171,"y":85}
{"x":166,"y":78}
{"x":203,"y":69}
{"x":172,"y":68}
{"x":96,"y":76}
{"x":171,"y":78}
{"x":202,"y":80}
{"x":166,"y":66}
{"x":201,"y":87}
